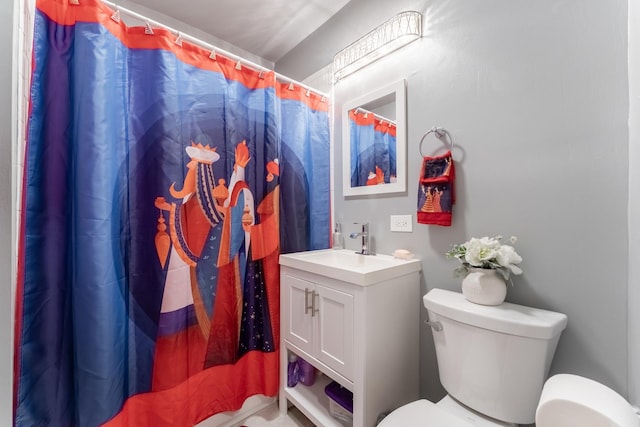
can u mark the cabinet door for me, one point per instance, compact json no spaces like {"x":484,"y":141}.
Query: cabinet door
{"x":334,"y":334}
{"x":298,"y":323}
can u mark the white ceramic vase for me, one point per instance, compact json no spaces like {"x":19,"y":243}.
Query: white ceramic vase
{"x":484,"y":286}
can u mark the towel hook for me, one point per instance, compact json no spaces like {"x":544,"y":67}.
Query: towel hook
{"x":439,"y":133}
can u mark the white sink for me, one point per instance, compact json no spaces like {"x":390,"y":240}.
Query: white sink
{"x":348,"y":266}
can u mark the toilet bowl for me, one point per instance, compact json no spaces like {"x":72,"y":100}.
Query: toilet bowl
{"x":422,"y":413}
{"x":566,"y":401}
{"x":446,"y":413}
{"x":493,"y":362}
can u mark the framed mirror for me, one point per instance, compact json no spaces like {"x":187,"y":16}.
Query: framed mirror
{"x":374,"y":142}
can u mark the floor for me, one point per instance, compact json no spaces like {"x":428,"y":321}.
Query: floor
{"x":270,"y":417}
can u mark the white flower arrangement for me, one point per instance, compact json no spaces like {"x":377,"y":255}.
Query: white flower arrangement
{"x":487,"y":253}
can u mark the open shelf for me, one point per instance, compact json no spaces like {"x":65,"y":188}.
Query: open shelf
{"x":314,"y":402}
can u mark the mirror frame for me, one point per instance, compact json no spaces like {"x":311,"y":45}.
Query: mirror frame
{"x":399,"y":89}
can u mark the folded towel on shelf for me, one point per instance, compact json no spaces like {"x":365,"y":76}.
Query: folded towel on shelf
{"x":436,"y":192}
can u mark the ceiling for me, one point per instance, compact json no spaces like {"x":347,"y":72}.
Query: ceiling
{"x":266,"y":28}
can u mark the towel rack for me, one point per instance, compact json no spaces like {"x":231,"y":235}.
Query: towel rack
{"x":439,"y":133}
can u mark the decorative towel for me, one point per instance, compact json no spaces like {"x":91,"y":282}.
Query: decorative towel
{"x":436,"y":192}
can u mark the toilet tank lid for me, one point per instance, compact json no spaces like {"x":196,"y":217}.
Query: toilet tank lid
{"x":507,"y":318}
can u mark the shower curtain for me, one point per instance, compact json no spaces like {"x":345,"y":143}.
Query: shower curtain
{"x":373,"y":149}
{"x":156,"y":179}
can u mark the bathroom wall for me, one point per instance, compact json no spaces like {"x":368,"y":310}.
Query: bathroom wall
{"x":634,"y":201}
{"x":7,"y":130}
{"x":536,"y":97}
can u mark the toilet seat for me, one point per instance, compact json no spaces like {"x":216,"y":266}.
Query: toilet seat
{"x":570,"y":400}
{"x":472,"y":417}
{"x":422,"y":413}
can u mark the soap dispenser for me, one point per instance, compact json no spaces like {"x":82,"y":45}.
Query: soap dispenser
{"x":338,"y":242}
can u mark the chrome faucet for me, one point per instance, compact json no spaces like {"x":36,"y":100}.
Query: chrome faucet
{"x":365,"y":238}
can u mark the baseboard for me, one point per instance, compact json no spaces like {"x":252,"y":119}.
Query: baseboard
{"x":231,"y":419}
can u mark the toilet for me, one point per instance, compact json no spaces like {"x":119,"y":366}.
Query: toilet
{"x":574,"y":401}
{"x":493,"y":362}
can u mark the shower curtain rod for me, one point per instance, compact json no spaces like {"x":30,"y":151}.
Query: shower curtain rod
{"x":208,"y":46}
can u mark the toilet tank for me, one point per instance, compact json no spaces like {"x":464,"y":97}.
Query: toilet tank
{"x":493,"y":359}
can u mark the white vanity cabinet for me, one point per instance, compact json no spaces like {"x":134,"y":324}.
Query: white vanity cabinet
{"x":320,"y":322}
{"x":359,"y":328}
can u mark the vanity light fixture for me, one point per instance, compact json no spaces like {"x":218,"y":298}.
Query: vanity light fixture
{"x":393,"y":34}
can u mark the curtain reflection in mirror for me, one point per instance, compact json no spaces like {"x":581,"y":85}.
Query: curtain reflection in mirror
{"x":373,"y":148}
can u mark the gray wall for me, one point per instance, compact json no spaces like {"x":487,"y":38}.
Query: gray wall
{"x":6,"y":214}
{"x":634,"y":200}
{"x":536,"y":96}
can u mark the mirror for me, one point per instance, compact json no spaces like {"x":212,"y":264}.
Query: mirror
{"x":374,"y":142}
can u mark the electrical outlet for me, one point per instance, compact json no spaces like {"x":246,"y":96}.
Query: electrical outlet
{"x":402,"y":223}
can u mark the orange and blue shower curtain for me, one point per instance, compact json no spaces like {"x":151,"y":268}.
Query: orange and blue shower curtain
{"x":155,"y":182}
